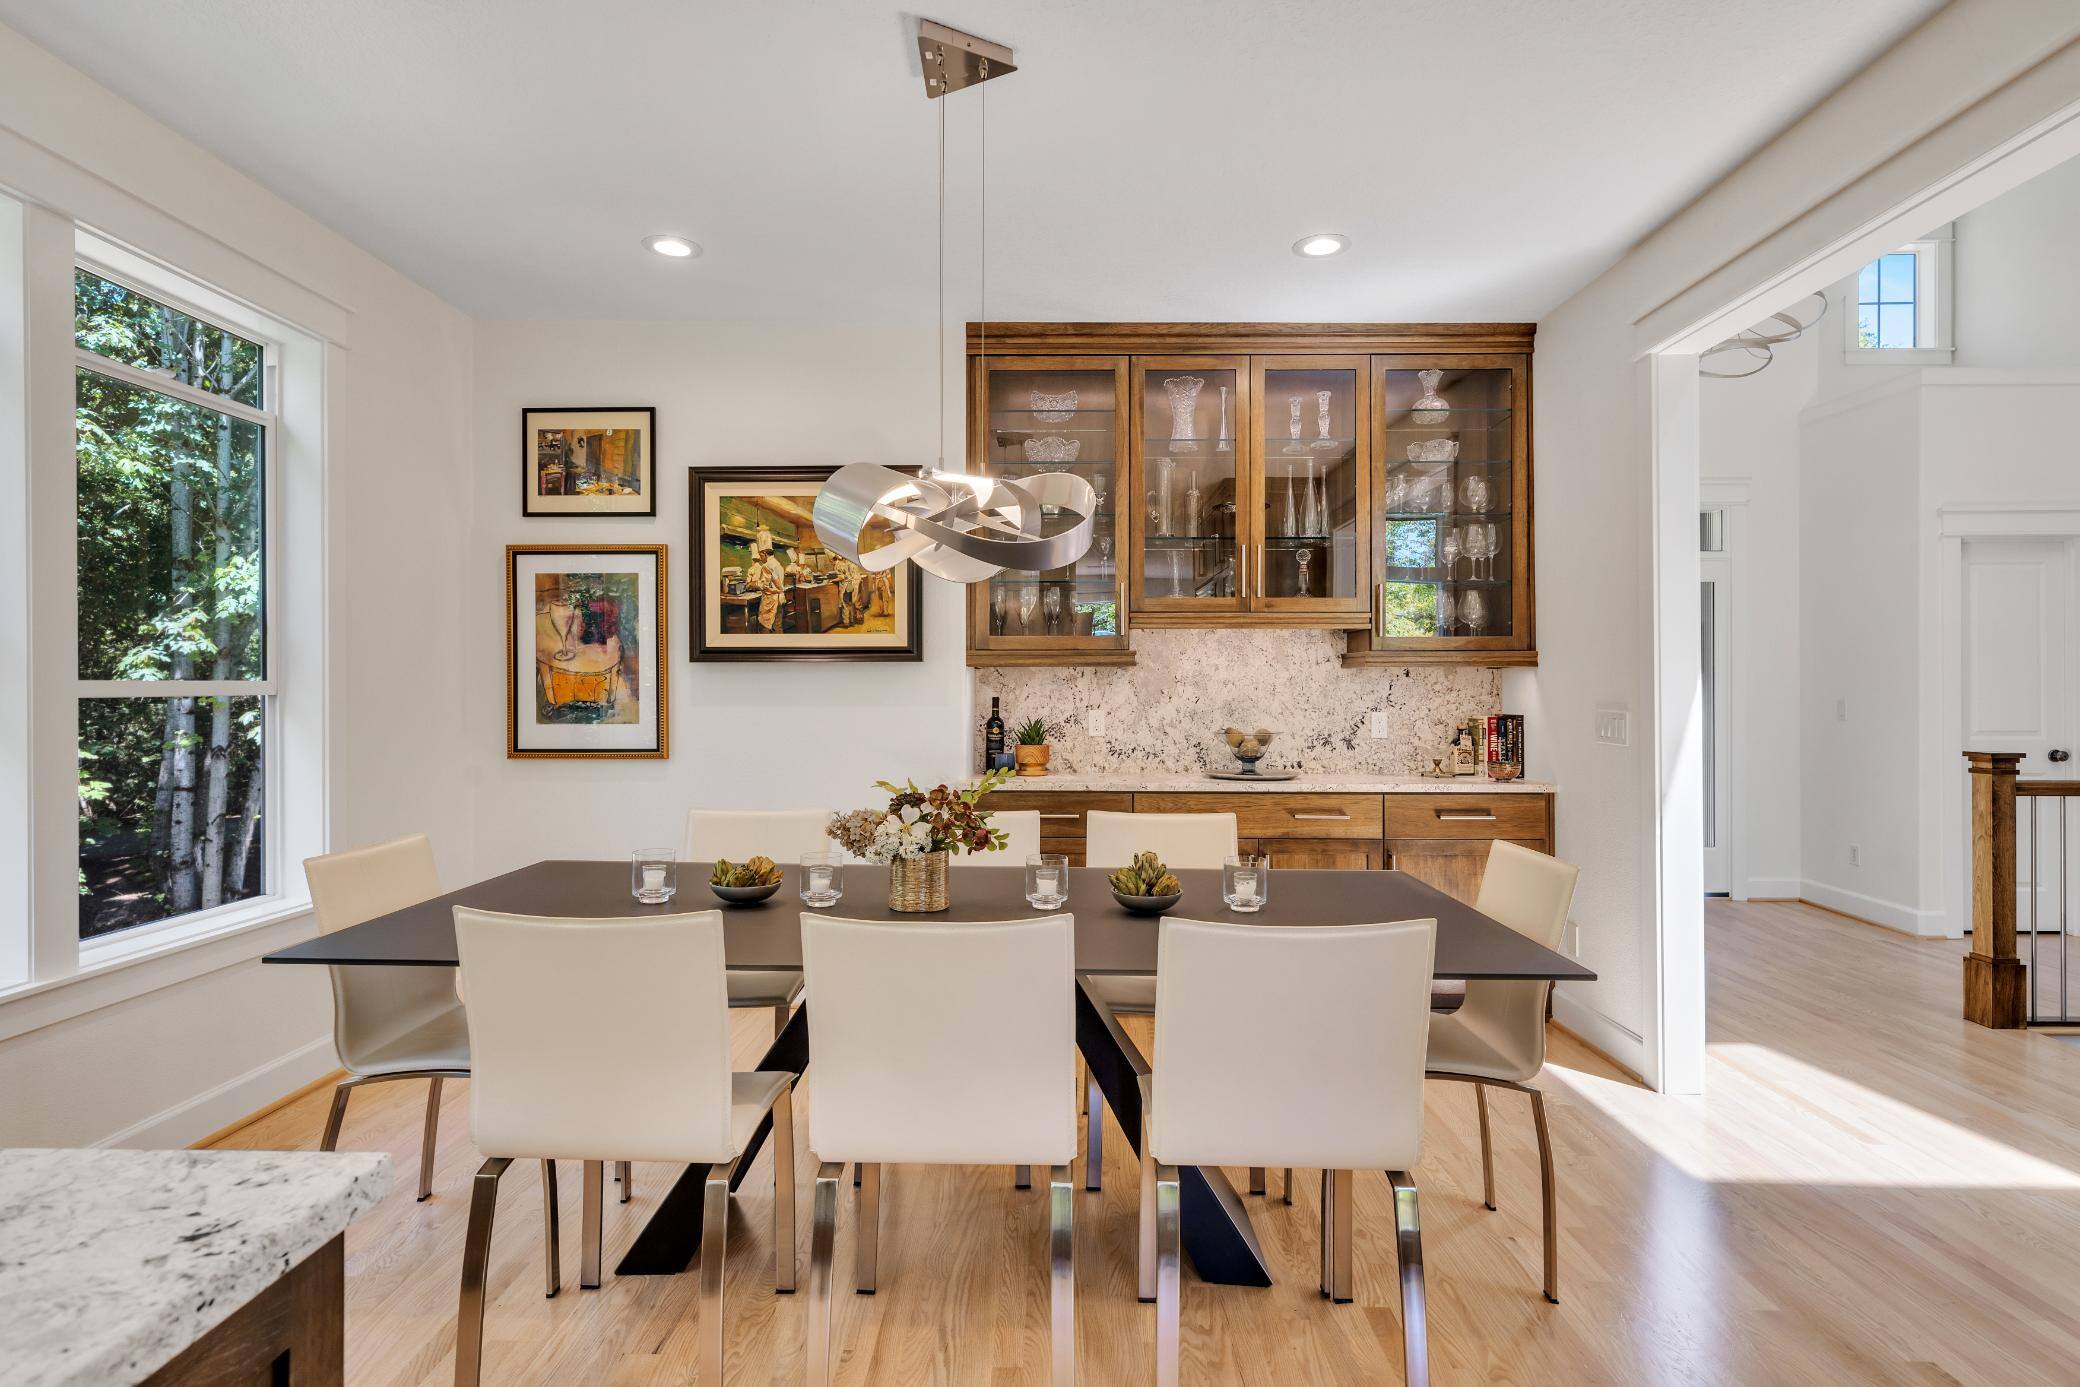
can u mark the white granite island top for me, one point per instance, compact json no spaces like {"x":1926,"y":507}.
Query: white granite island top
{"x":1160,"y":782}
{"x":112,"y":1262}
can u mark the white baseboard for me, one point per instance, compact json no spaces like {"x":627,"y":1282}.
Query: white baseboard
{"x":192,"y":1119}
{"x":1621,"y":1043}
{"x":1905,"y":918}
{"x":1774,"y":888}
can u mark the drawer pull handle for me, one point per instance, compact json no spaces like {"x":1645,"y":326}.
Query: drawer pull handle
{"x":1061,"y":816}
{"x":1485,"y":816}
{"x":1340,"y":818}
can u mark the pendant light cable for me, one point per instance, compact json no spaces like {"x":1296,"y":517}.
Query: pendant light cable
{"x":939,"y":324}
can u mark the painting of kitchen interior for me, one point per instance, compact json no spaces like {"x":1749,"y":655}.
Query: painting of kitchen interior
{"x":588,"y":462}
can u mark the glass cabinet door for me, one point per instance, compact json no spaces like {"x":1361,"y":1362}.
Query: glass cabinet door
{"x":1312,"y":491}
{"x":1455,"y":523}
{"x":1189,"y":533}
{"x":1065,"y":414}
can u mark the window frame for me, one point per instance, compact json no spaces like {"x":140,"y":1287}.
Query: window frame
{"x":141,"y":938}
{"x":1935,"y":287}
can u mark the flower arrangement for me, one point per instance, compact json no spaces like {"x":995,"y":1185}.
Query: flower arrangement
{"x":918,"y":822}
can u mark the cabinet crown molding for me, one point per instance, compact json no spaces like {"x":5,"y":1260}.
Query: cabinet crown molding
{"x":1191,"y":338}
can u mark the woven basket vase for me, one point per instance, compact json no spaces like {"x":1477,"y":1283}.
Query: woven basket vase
{"x":917,"y":885}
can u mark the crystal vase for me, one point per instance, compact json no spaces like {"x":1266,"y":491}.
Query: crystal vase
{"x":917,"y":885}
{"x":1321,"y":421}
{"x":1184,"y":399}
{"x":1293,"y":426}
{"x":1431,"y":409}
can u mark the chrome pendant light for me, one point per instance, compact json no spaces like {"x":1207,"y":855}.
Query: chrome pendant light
{"x":955,"y":525}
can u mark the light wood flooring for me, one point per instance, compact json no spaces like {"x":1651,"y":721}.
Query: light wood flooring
{"x":1872,"y":1191}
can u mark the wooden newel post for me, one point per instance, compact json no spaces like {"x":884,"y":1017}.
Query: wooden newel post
{"x":1994,"y":978}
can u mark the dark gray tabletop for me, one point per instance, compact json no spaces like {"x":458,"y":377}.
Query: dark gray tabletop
{"x":1109,"y":939}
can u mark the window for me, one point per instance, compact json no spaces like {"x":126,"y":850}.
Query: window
{"x":1902,"y":305}
{"x":175,"y":435}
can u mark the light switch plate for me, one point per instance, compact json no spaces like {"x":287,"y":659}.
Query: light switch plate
{"x":1613,"y":726}
{"x":1379,"y":723}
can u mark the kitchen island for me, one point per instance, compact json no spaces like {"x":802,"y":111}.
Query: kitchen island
{"x":177,"y":1267}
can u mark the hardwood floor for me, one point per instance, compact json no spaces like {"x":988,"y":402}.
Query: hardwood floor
{"x":1871,"y":1192}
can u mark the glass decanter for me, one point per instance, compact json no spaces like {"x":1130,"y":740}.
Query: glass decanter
{"x":1191,"y":501}
{"x":1321,"y":421}
{"x":1159,"y":498}
{"x":1184,"y":399}
{"x":1289,"y":518}
{"x":1310,"y":509}
{"x":1431,"y":409}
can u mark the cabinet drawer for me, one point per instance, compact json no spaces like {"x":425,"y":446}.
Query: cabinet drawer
{"x":1467,"y":816}
{"x":1319,"y":854}
{"x":1061,"y":811}
{"x":1260,"y":815}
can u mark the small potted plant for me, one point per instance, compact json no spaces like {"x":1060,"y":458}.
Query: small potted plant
{"x":1032,"y":749}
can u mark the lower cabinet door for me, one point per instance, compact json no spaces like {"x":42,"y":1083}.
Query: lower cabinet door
{"x":1333,"y":854}
{"x":1453,"y":866}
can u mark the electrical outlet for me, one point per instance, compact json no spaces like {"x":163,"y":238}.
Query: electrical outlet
{"x":1094,"y":721}
{"x":1855,"y":855}
{"x":1612,"y":727}
{"x":1379,"y":723}
{"x":1841,"y":710}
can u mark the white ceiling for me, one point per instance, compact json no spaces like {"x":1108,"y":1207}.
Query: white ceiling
{"x":1152,"y":161}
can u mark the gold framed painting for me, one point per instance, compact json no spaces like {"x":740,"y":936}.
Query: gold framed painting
{"x":588,"y":461}
{"x":586,"y":673}
{"x":765,"y":586}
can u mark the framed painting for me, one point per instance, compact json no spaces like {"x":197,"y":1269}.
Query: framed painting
{"x":585,"y":651}
{"x":766,"y":588}
{"x":588,"y":461}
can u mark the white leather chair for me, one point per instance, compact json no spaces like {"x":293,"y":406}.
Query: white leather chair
{"x":602,"y":1039}
{"x":1497,"y":1037}
{"x":1111,"y":840}
{"x":939,"y":1043}
{"x":1022,"y":840}
{"x":388,"y":1023}
{"x":1297,"y":1046}
{"x":781,"y":834}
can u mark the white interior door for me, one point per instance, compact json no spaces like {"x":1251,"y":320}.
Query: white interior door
{"x":2018,"y":686}
{"x":1716,"y":681}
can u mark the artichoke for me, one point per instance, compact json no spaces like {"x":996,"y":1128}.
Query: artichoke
{"x":758,"y":871}
{"x":1167,"y":885}
{"x":1145,"y":876}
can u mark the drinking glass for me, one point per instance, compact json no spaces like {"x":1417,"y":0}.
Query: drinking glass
{"x":1444,"y":611}
{"x":1051,"y":610}
{"x":1488,"y":548}
{"x":1475,"y":490}
{"x":1473,"y":610}
{"x":1472,"y":547}
{"x":1047,"y":880}
{"x":1105,"y":549}
{"x":1246,"y":883}
{"x":1028,"y":603}
{"x":996,"y":611}
{"x":1449,"y":547}
{"x":823,"y":878}
{"x":653,"y":875}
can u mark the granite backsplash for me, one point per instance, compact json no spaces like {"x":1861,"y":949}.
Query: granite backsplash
{"x":1166,"y":712}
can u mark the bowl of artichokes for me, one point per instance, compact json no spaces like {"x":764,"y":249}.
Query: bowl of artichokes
{"x":744,"y":883}
{"x":1145,"y":886}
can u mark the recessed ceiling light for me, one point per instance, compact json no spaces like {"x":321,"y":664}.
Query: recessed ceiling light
{"x":677,"y":247}
{"x":1314,"y":247}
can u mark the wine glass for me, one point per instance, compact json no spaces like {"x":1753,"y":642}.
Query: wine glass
{"x":1028,"y":603}
{"x":1397,"y":492}
{"x":1488,"y":549}
{"x":1473,"y":494}
{"x":1305,"y":556}
{"x":563,"y":620}
{"x":1473,"y":610}
{"x":1105,"y":549}
{"x":1444,"y":610}
{"x":1449,"y":547}
{"x":1476,"y":549}
{"x":997,"y":604}
{"x":1051,"y":610}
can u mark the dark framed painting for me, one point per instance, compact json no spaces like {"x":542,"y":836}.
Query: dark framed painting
{"x":765,"y":587}
{"x":588,"y":461}
{"x":586,"y":674}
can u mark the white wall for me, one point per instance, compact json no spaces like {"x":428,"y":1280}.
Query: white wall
{"x":1748,"y":432}
{"x":758,"y":735}
{"x":204,"y":1047}
{"x":2018,"y":275}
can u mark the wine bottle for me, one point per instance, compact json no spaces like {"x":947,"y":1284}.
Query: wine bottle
{"x":993,"y":737}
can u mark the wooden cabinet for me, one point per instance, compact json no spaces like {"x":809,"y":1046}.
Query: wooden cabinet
{"x":1062,"y":823}
{"x":1331,"y":854}
{"x":1348,"y":476}
{"x":1443,"y":838}
{"x":1268,"y":815}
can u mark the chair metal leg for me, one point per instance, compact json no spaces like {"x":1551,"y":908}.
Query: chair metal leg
{"x":476,"y":1258}
{"x":1342,"y":1205}
{"x":1022,"y":1176}
{"x":866,"y":1245}
{"x":552,"y":1251}
{"x":1169,"y":1236}
{"x":1093,"y":1136}
{"x":1061,"y":1238}
{"x":426,"y":1141}
{"x":1328,"y":1215}
{"x":823,"y":1234}
{"x":340,"y":1094}
{"x":780,"y":1016}
{"x":1286,"y":1188}
{"x":1480,"y":1096}
{"x":1408,"y":1250}
{"x":1145,"y":1234}
{"x":1551,"y":1193}
{"x":714,"y":1241}
{"x":783,"y":1192}
{"x":1256,"y":1179}
{"x":593,"y":1216}
{"x":625,"y":1176}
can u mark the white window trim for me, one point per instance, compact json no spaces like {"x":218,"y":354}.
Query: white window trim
{"x":1935,"y":307}
{"x":66,"y":976}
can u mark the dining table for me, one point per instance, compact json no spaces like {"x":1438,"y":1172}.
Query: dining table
{"x":1109,"y":938}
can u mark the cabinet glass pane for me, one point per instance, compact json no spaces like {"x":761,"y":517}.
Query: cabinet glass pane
{"x":1314,"y":517}
{"x":1450,"y":484}
{"x":1058,"y":421}
{"x":1189,"y":483}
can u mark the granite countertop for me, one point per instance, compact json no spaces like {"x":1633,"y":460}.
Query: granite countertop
{"x":1154,"y":782}
{"x":113,"y":1262}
